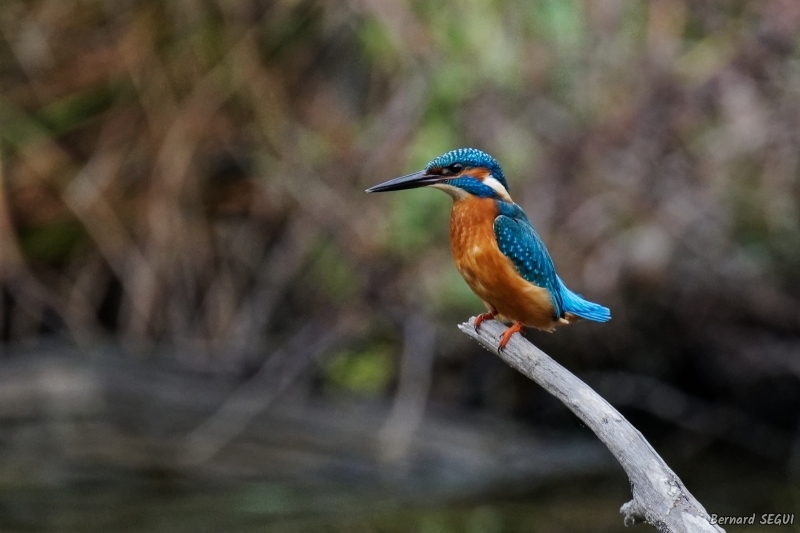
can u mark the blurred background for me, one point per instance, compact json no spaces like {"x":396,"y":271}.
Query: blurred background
{"x":206,"y":325}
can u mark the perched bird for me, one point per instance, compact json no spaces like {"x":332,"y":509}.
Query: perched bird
{"x":495,"y":247}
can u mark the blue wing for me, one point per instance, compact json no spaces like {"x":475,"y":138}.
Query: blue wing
{"x":519,"y":241}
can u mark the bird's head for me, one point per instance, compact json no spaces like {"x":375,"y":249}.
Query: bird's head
{"x":459,"y":173}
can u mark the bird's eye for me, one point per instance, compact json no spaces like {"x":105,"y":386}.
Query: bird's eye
{"x":455,"y":168}
{"x":449,"y":170}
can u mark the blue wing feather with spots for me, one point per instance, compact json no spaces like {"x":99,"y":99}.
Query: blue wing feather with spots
{"x":518,"y":241}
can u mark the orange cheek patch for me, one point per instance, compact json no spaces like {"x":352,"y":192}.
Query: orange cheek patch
{"x":477,"y":173}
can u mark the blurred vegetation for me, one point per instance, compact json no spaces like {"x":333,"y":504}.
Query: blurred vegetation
{"x":185,"y":180}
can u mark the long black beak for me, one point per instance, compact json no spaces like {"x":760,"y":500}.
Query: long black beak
{"x":409,"y":181}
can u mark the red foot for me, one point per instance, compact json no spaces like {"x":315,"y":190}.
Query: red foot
{"x":480,"y":318}
{"x":506,"y":336}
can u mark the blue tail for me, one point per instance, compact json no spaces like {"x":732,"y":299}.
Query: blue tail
{"x":573,"y":303}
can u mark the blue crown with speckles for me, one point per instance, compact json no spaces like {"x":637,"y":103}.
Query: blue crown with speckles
{"x":470,"y":157}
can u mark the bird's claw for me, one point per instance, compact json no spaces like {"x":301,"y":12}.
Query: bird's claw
{"x":480,"y":318}
{"x":506,"y":336}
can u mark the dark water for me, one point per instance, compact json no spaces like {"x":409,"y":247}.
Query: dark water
{"x":85,"y":496}
{"x":177,"y":505}
{"x":113,"y":447}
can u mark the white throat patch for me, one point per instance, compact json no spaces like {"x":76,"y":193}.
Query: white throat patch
{"x":454,"y":192}
{"x":501,"y":191}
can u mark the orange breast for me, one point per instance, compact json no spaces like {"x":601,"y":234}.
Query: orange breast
{"x":489,"y":273}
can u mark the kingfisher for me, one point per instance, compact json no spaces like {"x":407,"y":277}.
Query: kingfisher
{"x":496,"y":248}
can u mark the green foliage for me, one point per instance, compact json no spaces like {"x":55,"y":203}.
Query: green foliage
{"x":335,"y":274}
{"x":377,"y":44}
{"x":70,"y":112}
{"x":606,"y":116}
{"x":417,"y":219}
{"x":18,"y":128}
{"x":562,"y":23}
{"x":448,"y":293}
{"x":365,"y":372}
{"x":52,"y":242}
